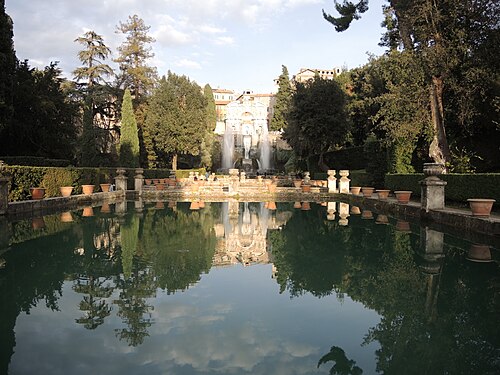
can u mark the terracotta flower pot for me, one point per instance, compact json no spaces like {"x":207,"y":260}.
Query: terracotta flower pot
{"x":88,"y":211}
{"x":479,"y":253}
{"x":147,"y":181}
{"x":382,"y":219}
{"x":297,"y":205}
{"x":87,"y":189}
{"x":271,"y":205}
{"x":105,"y":208}
{"x":367,"y":191}
{"x":105,"y":188}
{"x":66,"y":217}
{"x":403,"y":196}
{"x":66,"y":190}
{"x":481,"y":207}
{"x":403,"y":226}
{"x":355,"y":190}
{"x":383,"y":194}
{"x":306,"y":206}
{"x":271,"y":188}
{"x":355,"y":210}
{"x":367,"y":214}
{"x":37,"y":193}
{"x":306,"y":188}
{"x":194,"y":205}
{"x":38,"y":223}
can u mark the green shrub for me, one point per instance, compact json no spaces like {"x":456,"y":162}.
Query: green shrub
{"x":360,"y":178}
{"x":460,"y":187}
{"x":184,"y":173}
{"x":54,"y":178}
{"x":24,"y":178}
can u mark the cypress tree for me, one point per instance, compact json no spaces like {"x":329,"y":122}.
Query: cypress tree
{"x":129,"y":139}
{"x":283,"y":97}
{"x":7,"y":68}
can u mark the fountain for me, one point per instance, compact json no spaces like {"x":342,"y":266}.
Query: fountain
{"x":246,"y":143}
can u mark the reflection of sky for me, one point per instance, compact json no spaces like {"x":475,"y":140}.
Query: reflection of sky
{"x":233,"y":321}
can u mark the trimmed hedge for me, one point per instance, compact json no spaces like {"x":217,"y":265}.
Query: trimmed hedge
{"x":35,"y":161}
{"x":460,"y":187}
{"x":52,"y":178}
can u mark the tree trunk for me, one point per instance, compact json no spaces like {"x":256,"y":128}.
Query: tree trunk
{"x":321,"y":164}
{"x":174,"y":162}
{"x":439,"y":150}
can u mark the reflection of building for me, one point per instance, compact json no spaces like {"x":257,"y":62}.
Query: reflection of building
{"x":242,"y":236}
{"x":307,"y":74}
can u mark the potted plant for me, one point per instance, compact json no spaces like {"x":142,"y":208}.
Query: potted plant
{"x":480,"y":206}
{"x":403,"y":196}
{"x":355,"y":190}
{"x":383,"y":194}
{"x":105,"y":187}
{"x":87,"y":189}
{"x":37,"y":193}
{"x":367,"y":191}
{"x":66,"y":190}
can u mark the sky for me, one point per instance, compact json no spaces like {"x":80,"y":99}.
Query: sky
{"x":231,"y":44}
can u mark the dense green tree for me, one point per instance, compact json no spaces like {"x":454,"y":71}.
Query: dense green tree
{"x":317,"y":120}
{"x":48,"y":127}
{"x":446,"y":38}
{"x":129,"y":139}
{"x":7,"y":68}
{"x":282,"y":104}
{"x":175,"y":121}
{"x":134,"y":53}
{"x":94,"y":52}
{"x":207,"y":144}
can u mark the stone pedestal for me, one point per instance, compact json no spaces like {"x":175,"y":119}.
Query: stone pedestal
{"x":332,"y":181}
{"x":343,"y":213}
{"x":4,"y":194}
{"x":344,"y":181}
{"x":307,"y":178}
{"x":234,"y":180}
{"x":121,"y":180}
{"x":432,"y":187}
{"x":138,"y":180}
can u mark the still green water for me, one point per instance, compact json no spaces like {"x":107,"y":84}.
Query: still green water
{"x":242,"y":288}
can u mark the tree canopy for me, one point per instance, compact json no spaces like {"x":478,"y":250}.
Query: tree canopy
{"x":175,"y":121}
{"x":129,"y":139}
{"x":317,"y":119}
{"x":282,"y":105}
{"x":133,"y":56}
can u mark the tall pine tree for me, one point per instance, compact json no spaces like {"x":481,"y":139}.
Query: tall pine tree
{"x":129,"y":139}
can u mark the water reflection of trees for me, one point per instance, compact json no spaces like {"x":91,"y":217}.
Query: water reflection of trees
{"x":379,"y":267}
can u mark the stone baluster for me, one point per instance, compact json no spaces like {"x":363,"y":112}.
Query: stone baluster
{"x":344,"y":181}
{"x":332,"y":181}
{"x":242,"y":176}
{"x":330,"y":210}
{"x":432,"y":187}
{"x":139,"y":180}
{"x":121,"y":180}
{"x":307,"y":178}
{"x":343,"y":213}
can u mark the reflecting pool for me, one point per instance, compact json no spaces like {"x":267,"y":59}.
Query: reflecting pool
{"x":244,"y":288}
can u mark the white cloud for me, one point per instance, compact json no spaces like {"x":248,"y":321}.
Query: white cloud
{"x":224,"y":40}
{"x":186,"y":63}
